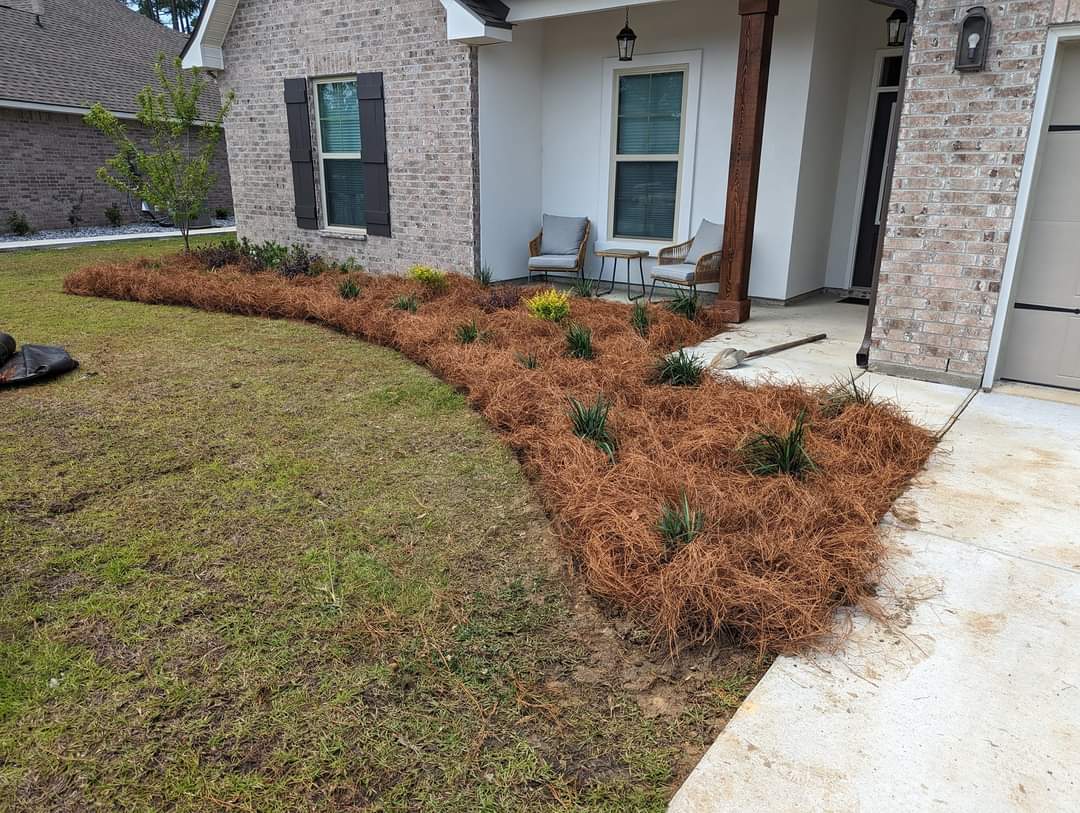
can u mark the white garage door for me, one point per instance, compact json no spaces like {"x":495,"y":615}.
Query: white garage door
{"x":1043,"y":341}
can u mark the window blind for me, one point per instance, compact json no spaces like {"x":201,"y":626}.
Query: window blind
{"x":339,"y":117}
{"x":645,"y":199}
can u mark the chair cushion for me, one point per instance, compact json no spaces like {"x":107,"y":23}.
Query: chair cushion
{"x":562,"y":235}
{"x":681,"y":272}
{"x":709,"y":238}
{"x":554,"y":262}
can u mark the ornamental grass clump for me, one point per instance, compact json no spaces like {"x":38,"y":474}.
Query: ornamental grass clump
{"x":405,"y":303}
{"x":684,"y":304}
{"x":585,"y":288}
{"x":528,"y":360}
{"x":549,"y":305}
{"x":768,"y":453}
{"x":484,"y":275}
{"x":844,"y":393}
{"x":639,"y":319}
{"x":432,"y":279}
{"x":468,"y":333}
{"x":348,"y":288}
{"x":679,"y":525}
{"x":590,"y":423}
{"x":579,"y":342}
{"x":681,"y":369}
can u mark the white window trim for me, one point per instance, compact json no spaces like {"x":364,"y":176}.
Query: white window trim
{"x":337,"y":156}
{"x":690,"y":62}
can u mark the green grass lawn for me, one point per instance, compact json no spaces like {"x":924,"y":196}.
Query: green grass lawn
{"x":256,"y":565}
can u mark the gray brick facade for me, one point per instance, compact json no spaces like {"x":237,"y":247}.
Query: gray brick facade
{"x":959,"y":158}
{"x":960,"y":154}
{"x":431,"y":123}
{"x":50,"y":158}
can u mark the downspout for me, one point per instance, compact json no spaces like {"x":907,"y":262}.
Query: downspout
{"x":862,"y":357}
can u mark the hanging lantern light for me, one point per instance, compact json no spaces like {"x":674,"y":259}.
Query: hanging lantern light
{"x":897,"y":25}
{"x":626,"y":40}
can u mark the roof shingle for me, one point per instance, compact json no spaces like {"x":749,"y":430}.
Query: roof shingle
{"x":84,"y":51}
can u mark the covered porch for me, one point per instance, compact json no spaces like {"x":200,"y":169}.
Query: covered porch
{"x":774,"y":120}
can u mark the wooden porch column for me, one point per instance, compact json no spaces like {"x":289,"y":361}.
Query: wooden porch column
{"x":747,"y":131}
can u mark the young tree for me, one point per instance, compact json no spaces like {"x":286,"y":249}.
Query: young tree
{"x":174,"y":175}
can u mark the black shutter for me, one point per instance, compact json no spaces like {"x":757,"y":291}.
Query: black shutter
{"x":303,"y":172}
{"x":369,"y":94}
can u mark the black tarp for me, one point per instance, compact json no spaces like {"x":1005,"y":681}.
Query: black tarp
{"x":31,"y":362}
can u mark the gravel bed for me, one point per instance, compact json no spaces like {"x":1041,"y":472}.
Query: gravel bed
{"x":102,"y":231}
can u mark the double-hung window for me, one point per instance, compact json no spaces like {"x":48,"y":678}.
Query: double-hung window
{"x":341,"y":170}
{"x":650,"y":114}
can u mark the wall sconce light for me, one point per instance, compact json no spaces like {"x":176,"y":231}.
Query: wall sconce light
{"x":626,"y":39}
{"x":897,"y":25}
{"x":974,"y":41}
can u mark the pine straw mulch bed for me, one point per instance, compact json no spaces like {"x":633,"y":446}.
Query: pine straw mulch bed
{"x":777,"y":555}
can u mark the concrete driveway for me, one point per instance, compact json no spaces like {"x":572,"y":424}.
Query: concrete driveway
{"x":964,"y":695}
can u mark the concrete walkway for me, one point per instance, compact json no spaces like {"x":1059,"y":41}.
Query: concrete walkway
{"x":19,"y":245}
{"x":965,"y":694}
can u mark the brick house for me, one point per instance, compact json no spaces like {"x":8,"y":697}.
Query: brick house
{"x":57,"y":58}
{"x":916,"y":153}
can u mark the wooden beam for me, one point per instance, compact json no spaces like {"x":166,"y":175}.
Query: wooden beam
{"x":747,"y":132}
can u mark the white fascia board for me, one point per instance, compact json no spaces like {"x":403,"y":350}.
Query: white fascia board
{"x":15,"y":104}
{"x":525,"y":10}
{"x":205,"y":49}
{"x":462,"y":25}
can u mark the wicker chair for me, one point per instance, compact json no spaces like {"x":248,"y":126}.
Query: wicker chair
{"x":577,"y":268}
{"x":672,"y":267}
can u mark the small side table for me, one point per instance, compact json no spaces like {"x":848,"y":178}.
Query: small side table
{"x":629,"y":255}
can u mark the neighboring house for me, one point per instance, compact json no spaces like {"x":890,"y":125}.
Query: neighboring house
{"x":439,"y":131}
{"x":57,"y":58}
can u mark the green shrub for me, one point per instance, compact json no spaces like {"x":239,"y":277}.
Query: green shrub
{"x":639,"y":318}
{"x":679,"y":525}
{"x":299,"y":261}
{"x":405,"y":303}
{"x":528,"y":360}
{"x":843,"y":393}
{"x":349,"y":288}
{"x":684,"y":304}
{"x":221,"y":213}
{"x":264,"y":255}
{"x":469,"y":332}
{"x":585,"y":288}
{"x":549,"y":305}
{"x":113,"y":215}
{"x":222,"y":253}
{"x":17,"y":222}
{"x":483,"y":275}
{"x":590,"y":423}
{"x":579,"y":342}
{"x":431,"y":278}
{"x":681,"y":369}
{"x":350,"y":265}
{"x":501,"y":297}
{"x":768,"y":453}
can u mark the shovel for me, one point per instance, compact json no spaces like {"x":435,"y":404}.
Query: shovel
{"x":730,"y":357}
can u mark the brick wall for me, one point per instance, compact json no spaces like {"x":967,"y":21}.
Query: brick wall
{"x":50,"y":158}
{"x":430,"y":120}
{"x":958,"y":165}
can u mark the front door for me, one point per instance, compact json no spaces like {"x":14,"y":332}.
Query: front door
{"x":884,"y":109}
{"x":1043,"y":341}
